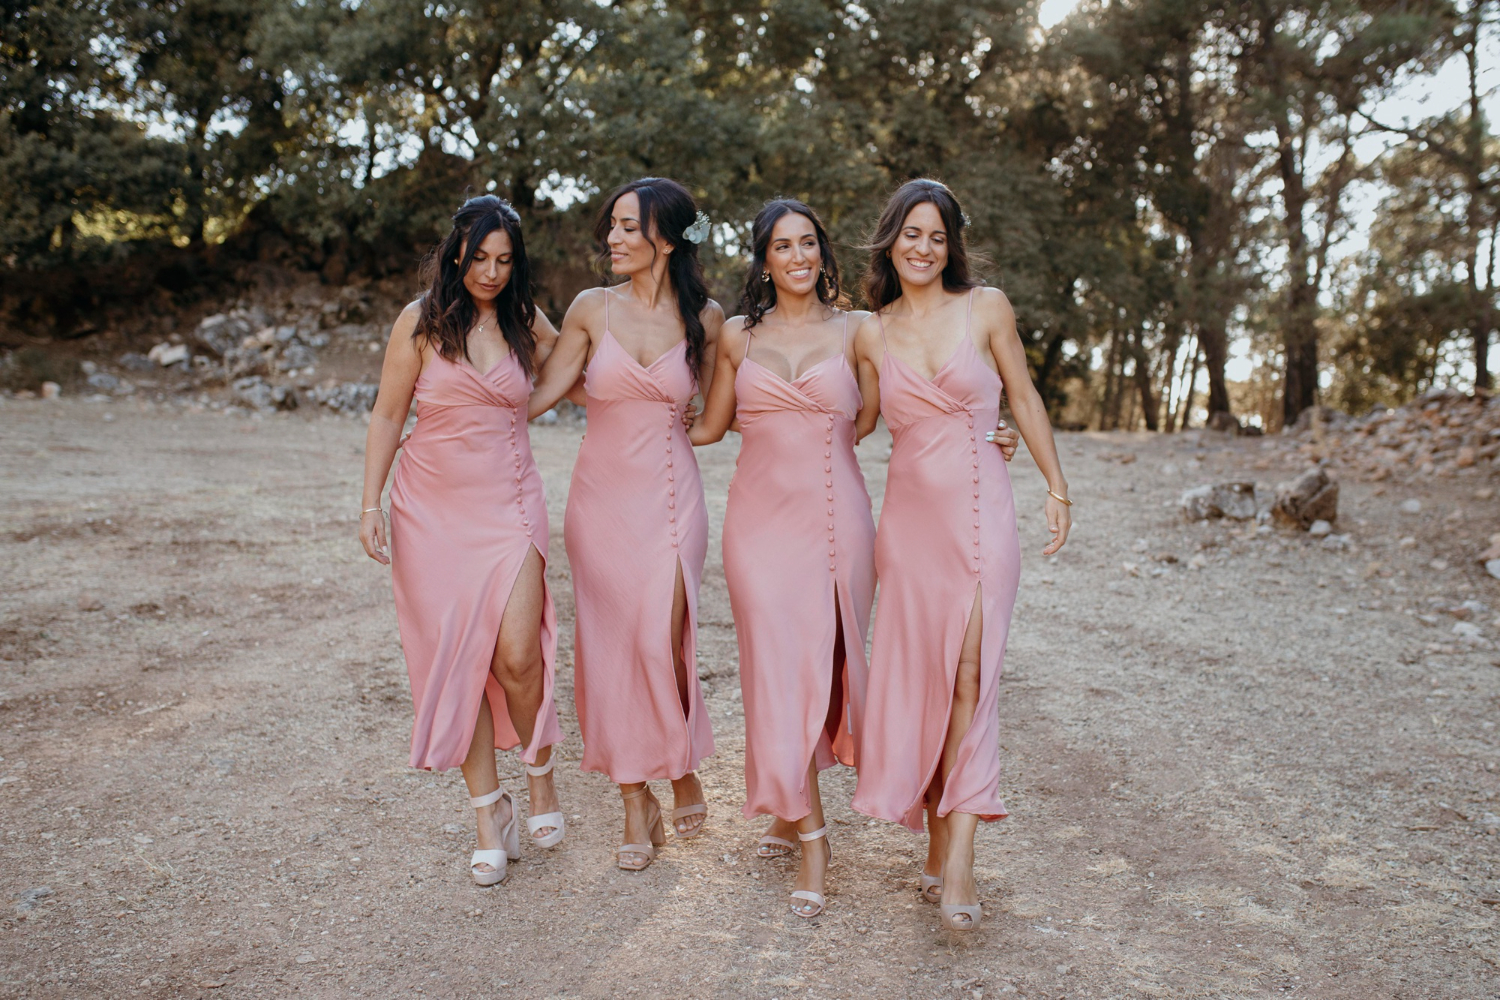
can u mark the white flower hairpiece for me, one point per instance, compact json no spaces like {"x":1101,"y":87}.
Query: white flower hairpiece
{"x":698,"y":231}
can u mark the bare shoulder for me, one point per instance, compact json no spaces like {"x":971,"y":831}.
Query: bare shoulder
{"x":866,"y":330}
{"x":993,"y":305}
{"x":712,"y":316}
{"x":733,"y":336}
{"x":405,"y":327}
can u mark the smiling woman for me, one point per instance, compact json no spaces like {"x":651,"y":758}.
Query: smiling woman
{"x":468,"y":536}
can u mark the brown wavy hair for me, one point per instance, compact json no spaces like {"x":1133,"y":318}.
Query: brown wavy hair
{"x":448,"y":310}
{"x":882,"y":285}
{"x":666,"y":210}
{"x":759,"y":297}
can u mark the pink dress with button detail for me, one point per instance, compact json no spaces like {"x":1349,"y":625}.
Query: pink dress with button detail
{"x":635,"y":510}
{"x":466,"y":507}
{"x":947,"y":529}
{"x":799,"y":561}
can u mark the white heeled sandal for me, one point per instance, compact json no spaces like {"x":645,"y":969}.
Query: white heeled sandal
{"x":932,"y":888}
{"x":552,"y":819}
{"x":510,"y":843}
{"x":816,"y":898}
{"x":774,"y":847}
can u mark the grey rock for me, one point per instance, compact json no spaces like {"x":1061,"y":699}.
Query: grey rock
{"x":1231,"y":500}
{"x":136,"y":362}
{"x":1411,"y":506}
{"x":1224,"y":422}
{"x":1310,"y":497}
{"x":347,"y":397}
{"x":1493,"y":568}
{"x":219,"y":334}
{"x":1319,"y":529}
{"x":104,"y":381}
{"x":256,"y":392}
{"x":28,"y":900}
{"x":297,"y":356}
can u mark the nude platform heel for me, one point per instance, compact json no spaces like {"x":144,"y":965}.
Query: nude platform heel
{"x":510,"y":843}
{"x":552,"y":819}
{"x":932,"y":888}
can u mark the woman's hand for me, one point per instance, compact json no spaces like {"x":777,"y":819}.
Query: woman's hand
{"x":1006,"y":437}
{"x":1059,"y":520}
{"x":372,"y":536}
{"x":689,"y":414}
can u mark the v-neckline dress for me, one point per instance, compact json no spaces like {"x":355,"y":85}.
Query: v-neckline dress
{"x":635,"y":511}
{"x":947,"y":529}
{"x":467,"y":505}
{"x":799,"y":561}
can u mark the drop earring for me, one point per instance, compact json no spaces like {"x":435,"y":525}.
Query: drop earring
{"x":765,"y":276}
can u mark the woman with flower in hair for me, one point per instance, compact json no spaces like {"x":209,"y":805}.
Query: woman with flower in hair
{"x":799,"y":538}
{"x":636,"y":525}
{"x":940,"y":348}
{"x":468,"y":536}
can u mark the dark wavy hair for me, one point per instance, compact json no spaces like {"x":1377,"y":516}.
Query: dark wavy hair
{"x":666,"y":210}
{"x":882,"y":286}
{"x":448,"y":310}
{"x":759,"y":296}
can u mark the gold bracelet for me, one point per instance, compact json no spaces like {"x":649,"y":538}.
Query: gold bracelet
{"x":371,"y":510}
{"x":1059,"y":499}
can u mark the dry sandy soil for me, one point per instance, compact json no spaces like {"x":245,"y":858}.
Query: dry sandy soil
{"x":1255,"y":770}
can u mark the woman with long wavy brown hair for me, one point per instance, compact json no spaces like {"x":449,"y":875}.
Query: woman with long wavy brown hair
{"x":468,"y":537}
{"x":940,"y":348}
{"x":637,"y":524}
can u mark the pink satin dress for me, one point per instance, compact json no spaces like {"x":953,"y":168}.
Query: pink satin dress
{"x":635,"y":512}
{"x":799,"y":560}
{"x":466,"y":507}
{"x":947,"y":530}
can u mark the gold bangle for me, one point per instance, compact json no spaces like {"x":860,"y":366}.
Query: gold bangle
{"x":371,"y":510}
{"x":1059,"y":499}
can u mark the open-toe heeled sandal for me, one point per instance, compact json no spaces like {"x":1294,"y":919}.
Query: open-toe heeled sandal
{"x":510,"y":843}
{"x":959,"y":917}
{"x":932,"y":888}
{"x":646,"y":851}
{"x":818,"y":900}
{"x":552,"y":819}
{"x":697,"y":809}
{"x":774,"y":847}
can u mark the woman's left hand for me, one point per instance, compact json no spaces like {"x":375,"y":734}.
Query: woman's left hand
{"x":1006,"y":437}
{"x":689,"y":415}
{"x":1059,"y":520}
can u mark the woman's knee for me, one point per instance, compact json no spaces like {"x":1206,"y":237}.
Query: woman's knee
{"x":516,"y":663}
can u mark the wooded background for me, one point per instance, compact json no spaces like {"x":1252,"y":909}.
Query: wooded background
{"x":1154,"y":182}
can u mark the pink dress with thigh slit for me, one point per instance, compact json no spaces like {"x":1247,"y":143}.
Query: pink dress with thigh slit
{"x":466,"y":508}
{"x":635,"y":512}
{"x":799,"y":562}
{"x":947,"y":530}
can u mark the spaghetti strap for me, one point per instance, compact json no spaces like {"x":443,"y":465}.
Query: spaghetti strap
{"x":844,"y":340}
{"x":606,"y":309}
{"x":969,"y":319}
{"x":883,"y":345}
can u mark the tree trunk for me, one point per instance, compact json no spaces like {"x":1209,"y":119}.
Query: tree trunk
{"x":1192,"y":387}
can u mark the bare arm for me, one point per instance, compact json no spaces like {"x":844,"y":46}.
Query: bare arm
{"x":398,"y":380}
{"x":564,"y":364}
{"x":867,"y":357}
{"x":546,"y":340}
{"x":719,"y":401}
{"x":1026,"y":406}
{"x":713,"y":322}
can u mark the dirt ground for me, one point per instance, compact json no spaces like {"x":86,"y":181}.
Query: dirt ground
{"x":1268,"y":767}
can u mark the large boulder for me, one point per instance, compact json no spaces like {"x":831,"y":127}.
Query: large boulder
{"x":1232,"y":500}
{"x":1310,"y":497}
